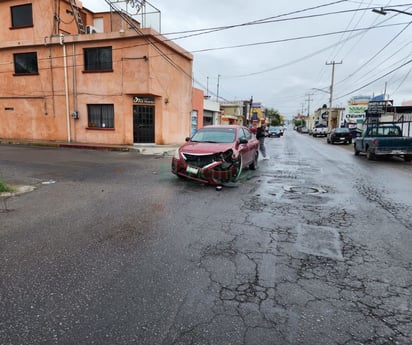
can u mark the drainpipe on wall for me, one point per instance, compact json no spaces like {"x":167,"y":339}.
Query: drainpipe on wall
{"x":66,"y":87}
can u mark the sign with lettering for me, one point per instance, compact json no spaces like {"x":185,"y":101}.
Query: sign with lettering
{"x":376,"y":108}
{"x":146,"y":100}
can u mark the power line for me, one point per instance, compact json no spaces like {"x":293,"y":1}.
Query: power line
{"x":293,"y":38}
{"x":375,"y":80}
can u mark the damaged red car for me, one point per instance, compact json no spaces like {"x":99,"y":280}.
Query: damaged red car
{"x":217,"y":154}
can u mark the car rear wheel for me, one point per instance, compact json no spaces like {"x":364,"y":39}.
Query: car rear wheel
{"x":370,"y":155}
{"x":254,"y":164}
{"x":407,"y":158}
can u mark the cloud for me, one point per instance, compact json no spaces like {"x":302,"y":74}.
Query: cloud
{"x":277,"y":51}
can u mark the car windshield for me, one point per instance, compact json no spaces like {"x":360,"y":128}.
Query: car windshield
{"x":386,"y":131}
{"x":341,"y":130}
{"x":215,"y":135}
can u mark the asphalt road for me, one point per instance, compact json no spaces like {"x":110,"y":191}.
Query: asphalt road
{"x":111,"y":248}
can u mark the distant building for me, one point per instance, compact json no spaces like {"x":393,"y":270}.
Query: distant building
{"x":211,"y":112}
{"x":232,"y":113}
{"x":355,"y":113}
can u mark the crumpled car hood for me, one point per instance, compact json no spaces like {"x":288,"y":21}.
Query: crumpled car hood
{"x":205,"y":148}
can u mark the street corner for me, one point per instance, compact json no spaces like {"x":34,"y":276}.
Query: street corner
{"x":17,"y":190}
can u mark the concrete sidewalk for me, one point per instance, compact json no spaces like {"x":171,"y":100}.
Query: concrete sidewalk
{"x":146,"y":149}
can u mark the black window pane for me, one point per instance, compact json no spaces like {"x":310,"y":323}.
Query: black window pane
{"x":90,"y":60}
{"x":21,"y":15}
{"x":25,"y":63}
{"x":94,"y":116}
{"x":105,"y":58}
{"x":100,"y":115}
{"x":96,"y":59}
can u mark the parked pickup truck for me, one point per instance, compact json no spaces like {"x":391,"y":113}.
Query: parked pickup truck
{"x":320,"y":131}
{"x":384,"y":139}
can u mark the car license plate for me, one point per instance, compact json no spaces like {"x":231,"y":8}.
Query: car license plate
{"x":191,"y":170}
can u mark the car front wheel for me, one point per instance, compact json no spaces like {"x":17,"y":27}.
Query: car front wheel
{"x":356,"y":152}
{"x":238,"y":164}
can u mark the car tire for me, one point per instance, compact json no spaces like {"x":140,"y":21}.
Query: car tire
{"x":254,"y":164}
{"x":370,"y":155}
{"x":355,"y":151}
{"x":238,"y":163}
{"x":407,"y":158}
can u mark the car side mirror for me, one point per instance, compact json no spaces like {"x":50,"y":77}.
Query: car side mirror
{"x":187,"y":139}
{"x":243,"y":141}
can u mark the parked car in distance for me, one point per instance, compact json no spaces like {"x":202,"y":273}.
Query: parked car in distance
{"x":304,"y":130}
{"x":339,"y":135}
{"x":216,"y":154}
{"x":320,"y":131}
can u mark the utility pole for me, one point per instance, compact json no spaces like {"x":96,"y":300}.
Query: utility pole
{"x":309,"y":99}
{"x":250,"y":111}
{"x":217,"y":93}
{"x":333,"y":63}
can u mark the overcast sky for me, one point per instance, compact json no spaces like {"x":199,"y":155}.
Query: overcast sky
{"x":281,"y":52}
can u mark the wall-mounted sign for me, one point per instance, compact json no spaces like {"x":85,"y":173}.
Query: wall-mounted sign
{"x":146,"y":100}
{"x":376,"y":108}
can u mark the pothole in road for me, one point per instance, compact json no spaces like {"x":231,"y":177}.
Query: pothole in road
{"x":304,"y":190}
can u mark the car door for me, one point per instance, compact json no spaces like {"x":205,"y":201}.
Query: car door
{"x":245,"y":149}
{"x":253,"y":144}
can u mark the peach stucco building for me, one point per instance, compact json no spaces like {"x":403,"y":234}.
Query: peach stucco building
{"x":61,"y":82}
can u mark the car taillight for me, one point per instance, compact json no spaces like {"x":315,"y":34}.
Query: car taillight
{"x":375,"y":142}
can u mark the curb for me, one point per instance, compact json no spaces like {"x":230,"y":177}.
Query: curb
{"x":148,"y":149}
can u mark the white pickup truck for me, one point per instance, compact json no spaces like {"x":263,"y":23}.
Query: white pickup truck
{"x":320,"y":131}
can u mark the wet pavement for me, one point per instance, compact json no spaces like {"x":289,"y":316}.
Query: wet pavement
{"x":312,"y":248}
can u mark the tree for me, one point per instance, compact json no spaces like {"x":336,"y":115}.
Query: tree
{"x":274,"y":117}
{"x":299,"y":122}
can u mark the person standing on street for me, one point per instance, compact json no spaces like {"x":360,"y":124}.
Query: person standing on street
{"x":260,"y":135}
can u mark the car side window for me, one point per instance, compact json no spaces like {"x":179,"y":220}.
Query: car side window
{"x":242,"y":134}
{"x":248,"y":134}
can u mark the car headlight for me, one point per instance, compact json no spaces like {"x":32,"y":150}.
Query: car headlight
{"x":177,"y":154}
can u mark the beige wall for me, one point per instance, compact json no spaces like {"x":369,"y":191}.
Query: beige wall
{"x":34,"y":106}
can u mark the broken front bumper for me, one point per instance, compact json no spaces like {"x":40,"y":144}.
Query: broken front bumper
{"x":214,"y":173}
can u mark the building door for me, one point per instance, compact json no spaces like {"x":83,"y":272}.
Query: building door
{"x":143,"y":124}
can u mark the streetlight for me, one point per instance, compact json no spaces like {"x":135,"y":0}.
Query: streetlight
{"x":383,"y":11}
